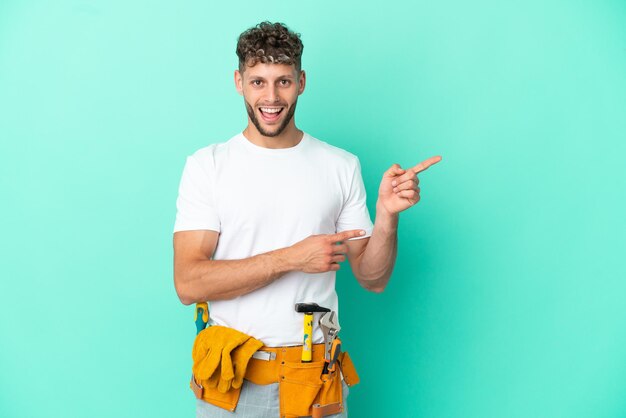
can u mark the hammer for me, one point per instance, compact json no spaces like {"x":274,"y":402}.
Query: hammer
{"x":307,"y":341}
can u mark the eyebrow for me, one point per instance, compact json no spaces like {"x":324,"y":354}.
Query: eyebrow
{"x":258,"y":77}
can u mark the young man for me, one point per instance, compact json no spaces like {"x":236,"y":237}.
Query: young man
{"x":265,"y":219}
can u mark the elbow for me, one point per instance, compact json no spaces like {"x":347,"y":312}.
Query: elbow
{"x":182,"y":291}
{"x":372,"y":280}
{"x":185,"y":300}
{"x":374,"y":285}
{"x":374,"y":288}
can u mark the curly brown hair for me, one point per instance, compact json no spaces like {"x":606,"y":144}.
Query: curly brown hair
{"x":269,"y":43}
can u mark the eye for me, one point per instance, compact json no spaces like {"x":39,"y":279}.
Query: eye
{"x":285,"y":82}
{"x":256,"y":83}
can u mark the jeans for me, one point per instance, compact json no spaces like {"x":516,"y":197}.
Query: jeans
{"x":256,"y":401}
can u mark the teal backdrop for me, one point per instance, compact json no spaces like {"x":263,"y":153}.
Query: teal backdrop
{"x":508,"y":297}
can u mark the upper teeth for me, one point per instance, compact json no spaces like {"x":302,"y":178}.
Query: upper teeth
{"x":271,"y":109}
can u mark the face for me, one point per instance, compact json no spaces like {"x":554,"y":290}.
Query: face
{"x":270,"y":92}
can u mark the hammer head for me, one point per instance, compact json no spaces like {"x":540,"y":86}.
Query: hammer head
{"x":310,"y":307}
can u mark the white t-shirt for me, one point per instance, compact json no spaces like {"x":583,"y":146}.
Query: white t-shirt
{"x":262,"y":199}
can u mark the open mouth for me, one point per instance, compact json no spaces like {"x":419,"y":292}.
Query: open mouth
{"x":271,"y":114}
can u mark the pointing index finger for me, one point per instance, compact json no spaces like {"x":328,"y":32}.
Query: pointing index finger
{"x":345,"y":235}
{"x":426,"y":163}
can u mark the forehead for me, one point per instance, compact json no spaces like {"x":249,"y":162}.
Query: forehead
{"x":270,"y":71}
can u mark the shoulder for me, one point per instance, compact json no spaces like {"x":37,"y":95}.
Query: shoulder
{"x":206,"y":157}
{"x":332,"y":153}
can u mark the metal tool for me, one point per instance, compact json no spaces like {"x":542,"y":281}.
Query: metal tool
{"x":307,"y":339}
{"x":332,"y":344}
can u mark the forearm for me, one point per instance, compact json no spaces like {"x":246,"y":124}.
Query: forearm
{"x":378,"y":259}
{"x":211,"y":280}
{"x":198,"y":278}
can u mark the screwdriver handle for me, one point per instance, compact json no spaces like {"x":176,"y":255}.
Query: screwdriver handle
{"x":201,"y":316}
{"x":334,"y":354}
{"x":330,"y":364}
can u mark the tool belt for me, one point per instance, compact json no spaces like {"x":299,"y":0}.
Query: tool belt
{"x":303,"y":389}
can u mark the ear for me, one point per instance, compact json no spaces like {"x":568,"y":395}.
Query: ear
{"x":301,"y":82}
{"x":239,"y":82}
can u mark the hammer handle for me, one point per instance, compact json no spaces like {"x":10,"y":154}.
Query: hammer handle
{"x":307,"y":343}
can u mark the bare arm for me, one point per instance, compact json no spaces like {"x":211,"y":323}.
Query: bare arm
{"x":198,"y":278}
{"x":372,"y":260}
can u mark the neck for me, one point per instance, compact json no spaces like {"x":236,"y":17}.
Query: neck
{"x":289,"y":137}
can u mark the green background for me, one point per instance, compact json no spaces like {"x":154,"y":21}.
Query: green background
{"x":508,"y":295}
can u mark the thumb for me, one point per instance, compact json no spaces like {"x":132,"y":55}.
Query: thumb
{"x":394,"y":170}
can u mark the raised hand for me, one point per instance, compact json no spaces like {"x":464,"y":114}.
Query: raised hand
{"x":399,"y":189}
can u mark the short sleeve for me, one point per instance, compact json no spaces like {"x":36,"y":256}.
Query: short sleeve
{"x":196,"y":199}
{"x":354,"y":214}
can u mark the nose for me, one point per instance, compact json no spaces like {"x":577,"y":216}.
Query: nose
{"x":272,"y":94}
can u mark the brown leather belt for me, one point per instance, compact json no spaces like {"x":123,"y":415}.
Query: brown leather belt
{"x":265,"y":372}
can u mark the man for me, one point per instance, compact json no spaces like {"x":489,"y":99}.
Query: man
{"x":265,"y":219}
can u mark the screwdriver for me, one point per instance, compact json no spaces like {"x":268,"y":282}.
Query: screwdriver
{"x":201,"y":316}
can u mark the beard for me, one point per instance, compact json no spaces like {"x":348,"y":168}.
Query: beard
{"x":280,"y":128}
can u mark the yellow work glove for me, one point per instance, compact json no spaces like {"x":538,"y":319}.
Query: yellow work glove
{"x":232,"y":374}
{"x":209,"y":348}
{"x":214,"y":380}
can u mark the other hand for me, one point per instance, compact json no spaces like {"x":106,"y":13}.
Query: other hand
{"x":399,"y":188}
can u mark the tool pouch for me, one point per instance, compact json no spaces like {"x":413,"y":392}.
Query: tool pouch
{"x":305,"y":391}
{"x":330,"y":398}
{"x":350,"y":376}
{"x":299,"y":386}
{"x":226,"y":400}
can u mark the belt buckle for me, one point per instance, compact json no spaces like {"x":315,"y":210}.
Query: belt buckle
{"x":264,"y":355}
